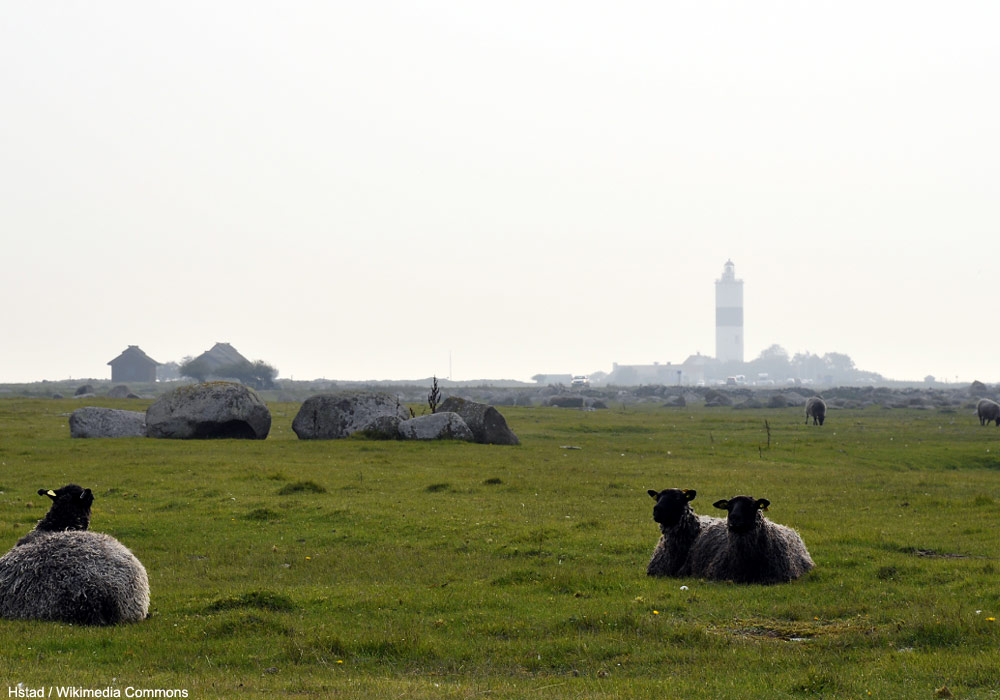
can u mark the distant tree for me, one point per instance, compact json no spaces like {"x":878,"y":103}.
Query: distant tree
{"x":838,"y":362}
{"x":773,"y":361}
{"x":196,"y":369}
{"x":168,"y":371}
{"x":258,"y":374}
{"x":808,"y":366}
{"x":774,"y":352}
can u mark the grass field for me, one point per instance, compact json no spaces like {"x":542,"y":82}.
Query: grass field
{"x":356,"y":568}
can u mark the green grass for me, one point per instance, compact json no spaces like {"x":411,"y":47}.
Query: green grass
{"x":359,"y":568}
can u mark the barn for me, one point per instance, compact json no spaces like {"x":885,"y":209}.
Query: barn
{"x":133,"y":365}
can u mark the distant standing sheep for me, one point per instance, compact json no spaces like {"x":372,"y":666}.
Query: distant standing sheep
{"x":679,"y":527}
{"x":749,"y":548}
{"x":70,"y":574}
{"x":987,"y":411}
{"x":815,"y":409}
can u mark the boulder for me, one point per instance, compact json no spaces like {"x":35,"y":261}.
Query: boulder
{"x":210,"y":410}
{"x":486,"y":423}
{"x":119,"y":391}
{"x":334,"y":416}
{"x":675,"y":402}
{"x":566,"y":401}
{"x":715,"y":399}
{"x":382,"y":428}
{"x":436,"y":426}
{"x":84,"y":390}
{"x":96,"y":422}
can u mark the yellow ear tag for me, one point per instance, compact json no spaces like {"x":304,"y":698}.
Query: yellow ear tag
{"x":50,"y":492}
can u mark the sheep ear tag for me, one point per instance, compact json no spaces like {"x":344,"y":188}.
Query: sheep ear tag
{"x":51,"y":494}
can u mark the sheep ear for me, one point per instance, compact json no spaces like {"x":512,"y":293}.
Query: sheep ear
{"x":763,"y":503}
{"x":689,"y":494}
{"x":653,"y":494}
{"x":723,"y":504}
{"x":86,"y":494}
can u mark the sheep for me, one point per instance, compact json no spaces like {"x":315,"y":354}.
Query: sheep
{"x":988,"y":410}
{"x":61,"y":571}
{"x":749,"y":548}
{"x":679,"y":526}
{"x":70,"y":511}
{"x":815,"y":409}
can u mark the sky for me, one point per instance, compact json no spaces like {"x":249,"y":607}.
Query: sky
{"x":486,"y":190}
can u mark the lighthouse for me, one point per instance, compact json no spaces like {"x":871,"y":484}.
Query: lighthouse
{"x":729,"y":316}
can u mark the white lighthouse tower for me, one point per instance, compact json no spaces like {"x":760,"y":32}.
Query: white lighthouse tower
{"x":729,"y":316}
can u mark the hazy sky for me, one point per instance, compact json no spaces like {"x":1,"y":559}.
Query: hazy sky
{"x":360,"y":190}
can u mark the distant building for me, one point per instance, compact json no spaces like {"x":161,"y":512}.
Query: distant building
{"x":133,"y":365}
{"x":729,"y":316}
{"x":691,"y":371}
{"x":221,"y":355}
{"x":553,"y":378}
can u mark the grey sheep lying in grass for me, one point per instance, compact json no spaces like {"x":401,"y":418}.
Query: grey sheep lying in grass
{"x":71,"y":574}
{"x":679,"y":527}
{"x":815,"y":409}
{"x":747,"y":547}
{"x":988,"y":410}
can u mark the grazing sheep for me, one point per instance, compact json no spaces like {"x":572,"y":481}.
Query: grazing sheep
{"x":987,"y":411}
{"x":60,"y":571}
{"x":70,"y":511}
{"x":679,"y":527}
{"x":815,"y":409}
{"x":749,"y":548}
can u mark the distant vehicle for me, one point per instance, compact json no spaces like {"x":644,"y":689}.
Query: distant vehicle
{"x":580,"y":380}
{"x":739,"y":379}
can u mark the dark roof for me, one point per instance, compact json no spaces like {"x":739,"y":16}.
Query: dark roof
{"x":133,"y":352}
{"x":222,"y":355}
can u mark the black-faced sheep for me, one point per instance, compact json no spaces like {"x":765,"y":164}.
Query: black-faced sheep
{"x":679,"y":527}
{"x":815,"y":409}
{"x":749,"y":548}
{"x":70,"y":511}
{"x":988,"y":410}
{"x":60,"y":571}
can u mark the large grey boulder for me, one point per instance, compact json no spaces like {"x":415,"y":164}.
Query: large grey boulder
{"x":485,"y":422}
{"x":210,"y":410}
{"x":436,"y":426}
{"x":119,"y":391}
{"x":96,"y":422}
{"x":567,"y":401}
{"x":334,"y":416}
{"x":382,"y":428}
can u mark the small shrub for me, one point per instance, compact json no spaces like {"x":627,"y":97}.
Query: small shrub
{"x":301,"y":487}
{"x":257,"y":600}
{"x":261,"y":515}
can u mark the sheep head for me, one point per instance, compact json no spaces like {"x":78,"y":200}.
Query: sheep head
{"x":70,"y":509}
{"x":744,"y":512}
{"x":671,"y":504}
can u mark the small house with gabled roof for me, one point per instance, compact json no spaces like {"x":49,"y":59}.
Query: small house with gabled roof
{"x":221,"y":355}
{"x":133,"y":365}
